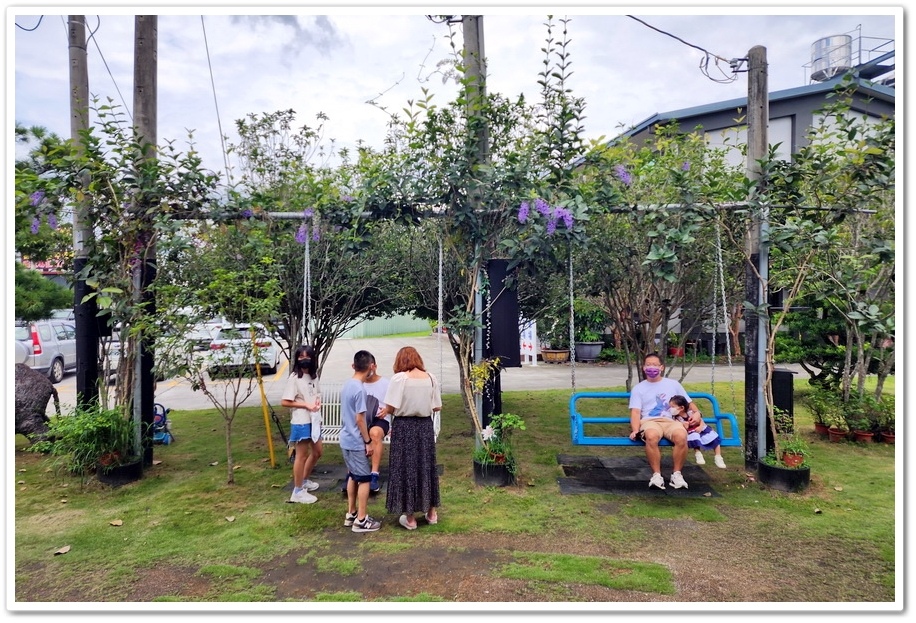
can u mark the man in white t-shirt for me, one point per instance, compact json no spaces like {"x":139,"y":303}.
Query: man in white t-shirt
{"x":651,"y":421}
{"x":376,"y":386}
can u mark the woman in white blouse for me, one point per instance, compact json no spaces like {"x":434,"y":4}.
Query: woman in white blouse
{"x":413,"y":481}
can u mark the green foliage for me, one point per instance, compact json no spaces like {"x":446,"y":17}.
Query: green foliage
{"x":590,"y":320}
{"x":36,"y":296}
{"x":89,"y":436}
{"x":497,"y":440}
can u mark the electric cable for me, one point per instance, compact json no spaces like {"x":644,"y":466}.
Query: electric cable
{"x":219,"y":125}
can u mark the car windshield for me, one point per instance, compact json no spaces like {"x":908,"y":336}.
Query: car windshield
{"x":233,"y":334}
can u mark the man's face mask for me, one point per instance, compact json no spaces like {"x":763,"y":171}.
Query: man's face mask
{"x":652,"y":371}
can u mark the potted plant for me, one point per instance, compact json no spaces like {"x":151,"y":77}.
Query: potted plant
{"x":774,"y":472}
{"x":794,"y":451}
{"x":886,"y":418}
{"x":674,"y":347}
{"x":95,"y":439}
{"x":837,"y":428}
{"x":821,"y":403}
{"x":590,"y":322}
{"x":554,"y":340}
{"x":495,"y":463}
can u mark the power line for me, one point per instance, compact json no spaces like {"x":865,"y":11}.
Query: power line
{"x":219,"y":124}
{"x":35,"y":27}
{"x":704,"y":62}
{"x":107,"y":68}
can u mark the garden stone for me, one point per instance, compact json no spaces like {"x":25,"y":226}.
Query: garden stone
{"x":33,"y":391}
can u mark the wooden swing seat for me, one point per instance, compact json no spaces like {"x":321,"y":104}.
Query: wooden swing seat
{"x":725,"y":423}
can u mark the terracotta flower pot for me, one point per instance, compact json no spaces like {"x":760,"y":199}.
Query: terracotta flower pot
{"x":821,"y":429}
{"x":792,"y":460}
{"x":863,"y":436}
{"x":887,"y":437}
{"x":836,"y":435}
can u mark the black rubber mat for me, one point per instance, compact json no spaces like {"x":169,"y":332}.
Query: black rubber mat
{"x":627,"y":475}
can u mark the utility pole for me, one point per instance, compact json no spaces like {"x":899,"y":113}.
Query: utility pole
{"x":756,"y":271}
{"x":145,"y":94}
{"x":476,"y":71}
{"x":85,"y":313}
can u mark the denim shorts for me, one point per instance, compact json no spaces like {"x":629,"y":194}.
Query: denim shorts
{"x":303,"y":432}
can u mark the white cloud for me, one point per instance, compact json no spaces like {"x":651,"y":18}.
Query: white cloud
{"x":335,"y":64}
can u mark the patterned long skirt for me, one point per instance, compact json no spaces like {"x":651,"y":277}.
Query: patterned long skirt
{"x":413,"y":482}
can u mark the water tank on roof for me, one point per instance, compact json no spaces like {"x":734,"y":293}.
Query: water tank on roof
{"x":831,"y":56}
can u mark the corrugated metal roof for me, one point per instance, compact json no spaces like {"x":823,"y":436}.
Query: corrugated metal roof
{"x":871,"y":89}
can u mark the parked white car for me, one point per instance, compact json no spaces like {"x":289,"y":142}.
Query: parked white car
{"x":201,"y":334}
{"x":233,"y":349}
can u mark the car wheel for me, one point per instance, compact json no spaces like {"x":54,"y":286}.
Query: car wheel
{"x":56,"y":371}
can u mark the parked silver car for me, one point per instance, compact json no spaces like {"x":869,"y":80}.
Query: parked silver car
{"x":48,"y":346}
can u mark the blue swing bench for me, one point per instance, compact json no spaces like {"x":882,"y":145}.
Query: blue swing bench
{"x":725,"y":423}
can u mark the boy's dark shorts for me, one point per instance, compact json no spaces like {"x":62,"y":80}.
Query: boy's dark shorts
{"x":381,"y":423}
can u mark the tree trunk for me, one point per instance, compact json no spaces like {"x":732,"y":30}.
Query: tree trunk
{"x":230,"y":477}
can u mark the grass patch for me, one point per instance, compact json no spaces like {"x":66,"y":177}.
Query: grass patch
{"x":175,"y":518}
{"x":571,"y":569}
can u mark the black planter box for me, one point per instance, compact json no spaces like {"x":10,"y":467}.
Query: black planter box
{"x":789,"y":479}
{"x":493,"y":475}
{"x":120,"y":474}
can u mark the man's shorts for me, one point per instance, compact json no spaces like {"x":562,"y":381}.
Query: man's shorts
{"x":381,"y":423}
{"x":665,"y":426}
{"x":357,"y":464}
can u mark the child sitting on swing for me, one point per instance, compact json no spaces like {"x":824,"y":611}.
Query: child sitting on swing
{"x":699,"y":437}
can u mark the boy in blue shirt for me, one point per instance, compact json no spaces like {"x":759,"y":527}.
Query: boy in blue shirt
{"x":356,"y":445}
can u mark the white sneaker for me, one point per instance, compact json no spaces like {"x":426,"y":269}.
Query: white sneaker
{"x":720,"y":462}
{"x":303,"y":497}
{"x":309,"y":485}
{"x":657,"y":481}
{"x":677,"y":481}
{"x":699,"y":458}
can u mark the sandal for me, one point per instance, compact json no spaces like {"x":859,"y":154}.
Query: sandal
{"x":430,"y":521}
{"x":403,"y":521}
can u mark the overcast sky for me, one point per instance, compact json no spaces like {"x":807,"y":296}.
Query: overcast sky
{"x":337,"y":61}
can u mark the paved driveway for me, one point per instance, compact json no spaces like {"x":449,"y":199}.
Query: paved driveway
{"x":437,"y":356}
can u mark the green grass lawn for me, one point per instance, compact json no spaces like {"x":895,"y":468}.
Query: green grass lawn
{"x":183,"y":514}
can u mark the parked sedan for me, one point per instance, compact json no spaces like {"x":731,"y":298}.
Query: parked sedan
{"x":233,"y":349}
{"x":202,"y":333}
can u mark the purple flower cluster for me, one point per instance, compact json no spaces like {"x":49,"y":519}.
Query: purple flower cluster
{"x":553,"y":215}
{"x":685,"y":166}
{"x":36,"y":223}
{"x":247,"y":213}
{"x":623,"y":175}
{"x":302,"y":234}
{"x":37,"y":197}
{"x":52,"y":221}
{"x":347,"y":198}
